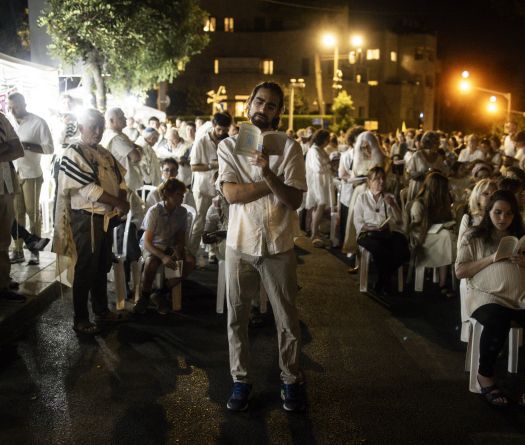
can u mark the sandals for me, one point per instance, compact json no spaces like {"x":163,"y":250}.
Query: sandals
{"x":493,"y":396}
{"x":86,"y":328}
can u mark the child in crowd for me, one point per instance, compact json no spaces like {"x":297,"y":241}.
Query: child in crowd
{"x":163,"y":240}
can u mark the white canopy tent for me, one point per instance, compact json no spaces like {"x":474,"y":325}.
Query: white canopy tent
{"x":38,"y":84}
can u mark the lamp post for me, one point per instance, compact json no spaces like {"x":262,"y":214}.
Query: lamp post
{"x":294,"y":83}
{"x":330,"y":40}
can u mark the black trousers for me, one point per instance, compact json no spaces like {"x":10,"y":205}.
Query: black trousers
{"x":388,"y":254}
{"x":496,"y":321}
{"x":17,"y":231}
{"x":93,"y":265}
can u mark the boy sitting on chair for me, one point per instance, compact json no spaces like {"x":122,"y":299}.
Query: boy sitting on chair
{"x":164,"y":238}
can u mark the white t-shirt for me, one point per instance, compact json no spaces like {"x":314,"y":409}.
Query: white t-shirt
{"x":32,"y":129}
{"x":204,"y":152}
{"x":120,"y":146}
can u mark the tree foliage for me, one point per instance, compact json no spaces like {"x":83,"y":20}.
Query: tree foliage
{"x":135,"y":43}
{"x":342,"y":109}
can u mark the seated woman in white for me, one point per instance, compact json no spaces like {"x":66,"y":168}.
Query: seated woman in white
{"x":367,"y":154}
{"x":319,"y":180}
{"x":495,"y":287}
{"x":378,"y":221}
{"x":477,"y":202}
{"x":431,"y":207}
{"x":164,"y":238}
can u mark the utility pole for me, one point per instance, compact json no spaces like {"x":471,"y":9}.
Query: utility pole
{"x":294,"y":83}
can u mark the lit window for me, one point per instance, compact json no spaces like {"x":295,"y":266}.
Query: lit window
{"x":358,"y":78}
{"x":268,"y":66}
{"x":239,"y":108}
{"x":372,"y":54}
{"x":210,"y":24}
{"x":352,"y":57}
{"x":373,"y":83}
{"x":216,"y":66}
{"x":393,"y":56}
{"x":371,"y":125}
{"x":228,"y":24}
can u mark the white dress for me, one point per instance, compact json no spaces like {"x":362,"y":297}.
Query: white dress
{"x":438,"y":249}
{"x":419,"y":164}
{"x":318,"y":178}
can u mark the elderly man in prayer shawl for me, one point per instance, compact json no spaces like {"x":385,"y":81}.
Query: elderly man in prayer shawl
{"x":91,"y":197}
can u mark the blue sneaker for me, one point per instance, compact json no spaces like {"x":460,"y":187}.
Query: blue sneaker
{"x":238,"y":400}
{"x":293,"y":396}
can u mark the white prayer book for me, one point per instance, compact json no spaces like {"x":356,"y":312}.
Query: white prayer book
{"x":251,"y":140}
{"x":435,"y":228}
{"x":509,"y":246}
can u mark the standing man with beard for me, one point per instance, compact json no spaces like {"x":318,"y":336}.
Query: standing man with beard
{"x":204,"y":165}
{"x":264,"y":193}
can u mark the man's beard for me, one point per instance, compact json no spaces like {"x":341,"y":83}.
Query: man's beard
{"x":221,"y":136}
{"x":260,"y":121}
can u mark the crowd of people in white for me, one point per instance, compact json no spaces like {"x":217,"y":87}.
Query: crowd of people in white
{"x":423,"y":199}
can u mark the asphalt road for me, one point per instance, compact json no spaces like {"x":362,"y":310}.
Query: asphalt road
{"x":374,"y":375}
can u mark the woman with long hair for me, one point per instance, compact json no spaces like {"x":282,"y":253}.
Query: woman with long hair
{"x":378,"y":221}
{"x":367,"y":154}
{"x":495,"y":288}
{"x":435,"y":247}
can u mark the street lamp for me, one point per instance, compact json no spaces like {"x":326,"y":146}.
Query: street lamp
{"x":294,"y":83}
{"x":492,"y":106}
{"x":465,"y":86}
{"x":357,"y":41}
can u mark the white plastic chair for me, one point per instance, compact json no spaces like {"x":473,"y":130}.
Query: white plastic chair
{"x":118,"y":266}
{"x":363,"y":272}
{"x":472,"y":357}
{"x":143,"y":191}
{"x":419,"y":277}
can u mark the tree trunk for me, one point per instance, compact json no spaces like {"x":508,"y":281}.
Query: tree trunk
{"x":93,"y":81}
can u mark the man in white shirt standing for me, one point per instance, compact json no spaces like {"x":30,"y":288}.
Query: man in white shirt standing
{"x":35,"y":136}
{"x":264,"y":193}
{"x":120,"y":146}
{"x":130,"y":130}
{"x":204,"y":165}
{"x":509,"y":146}
{"x":10,"y":149}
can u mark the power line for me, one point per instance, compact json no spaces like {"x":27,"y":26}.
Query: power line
{"x":296,"y":5}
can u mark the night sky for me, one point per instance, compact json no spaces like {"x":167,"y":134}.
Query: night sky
{"x":486,"y":36}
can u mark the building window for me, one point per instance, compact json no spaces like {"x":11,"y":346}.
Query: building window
{"x":393,"y":56}
{"x":239,"y":108}
{"x":352,"y":57}
{"x":216,"y":66}
{"x":267,"y":67}
{"x":305,"y":66}
{"x":358,"y":78}
{"x":373,"y":83}
{"x":210,"y":24}
{"x":372,"y":54}
{"x":228,"y":24}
